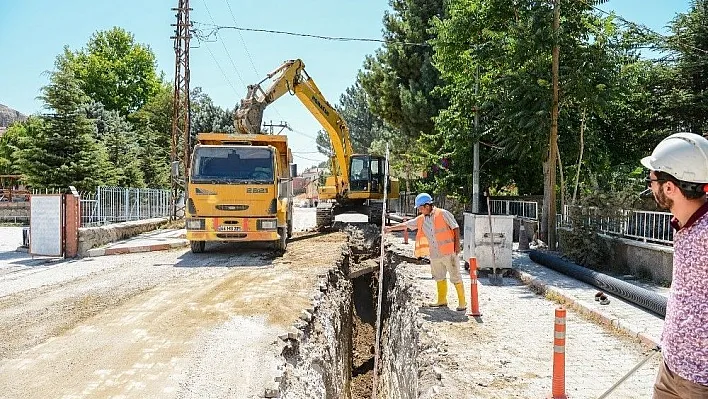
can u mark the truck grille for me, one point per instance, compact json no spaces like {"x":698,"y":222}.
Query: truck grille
{"x":237,"y":207}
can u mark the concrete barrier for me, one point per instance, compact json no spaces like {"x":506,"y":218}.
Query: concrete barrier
{"x":92,"y":237}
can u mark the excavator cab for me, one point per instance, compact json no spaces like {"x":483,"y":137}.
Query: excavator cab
{"x":366,"y":173}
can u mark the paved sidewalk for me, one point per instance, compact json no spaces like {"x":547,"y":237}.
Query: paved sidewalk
{"x":619,"y":313}
{"x":157,"y":240}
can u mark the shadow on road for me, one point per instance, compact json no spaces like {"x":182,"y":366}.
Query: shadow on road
{"x":437,"y":315}
{"x":242,"y":255}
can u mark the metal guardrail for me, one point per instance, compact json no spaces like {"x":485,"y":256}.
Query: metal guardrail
{"x":15,"y":219}
{"x":522,"y":209}
{"x":646,"y":226}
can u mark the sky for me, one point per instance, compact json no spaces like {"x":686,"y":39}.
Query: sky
{"x":34,"y":32}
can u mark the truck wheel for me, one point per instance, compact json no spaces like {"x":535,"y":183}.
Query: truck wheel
{"x":282,"y":243}
{"x":197,"y":246}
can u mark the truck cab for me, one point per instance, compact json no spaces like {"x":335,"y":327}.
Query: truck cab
{"x":239,"y":189}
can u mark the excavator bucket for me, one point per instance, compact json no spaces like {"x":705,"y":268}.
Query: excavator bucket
{"x":249,"y":114}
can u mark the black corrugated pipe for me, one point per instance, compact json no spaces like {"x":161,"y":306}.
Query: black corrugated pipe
{"x":637,"y":295}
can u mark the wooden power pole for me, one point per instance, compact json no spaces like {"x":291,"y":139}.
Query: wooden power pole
{"x":180,"y":107}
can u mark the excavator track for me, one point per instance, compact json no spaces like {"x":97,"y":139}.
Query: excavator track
{"x":375,"y":213}
{"x":325,"y":215}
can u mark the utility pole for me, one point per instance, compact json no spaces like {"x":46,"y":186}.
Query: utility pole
{"x":475,"y":156}
{"x":553,"y":139}
{"x":180,"y":107}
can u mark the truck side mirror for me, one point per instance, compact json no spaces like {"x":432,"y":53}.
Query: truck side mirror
{"x":293,"y":170}
{"x":174,"y":169}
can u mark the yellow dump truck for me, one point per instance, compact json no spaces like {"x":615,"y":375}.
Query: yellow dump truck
{"x":240,"y":189}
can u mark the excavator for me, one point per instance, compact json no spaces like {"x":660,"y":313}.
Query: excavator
{"x":356,"y":183}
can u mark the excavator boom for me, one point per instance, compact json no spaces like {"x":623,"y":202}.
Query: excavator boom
{"x":356,"y":180}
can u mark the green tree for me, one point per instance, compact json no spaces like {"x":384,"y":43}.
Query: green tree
{"x":153,"y":158}
{"x":364,"y":126}
{"x":64,"y":152}
{"x":118,"y":138}
{"x":324,"y":144}
{"x":115,"y":70}
{"x":400,"y":79}
{"x":11,"y":143}
{"x":688,"y":44}
{"x":156,"y":115}
{"x":208,"y":117}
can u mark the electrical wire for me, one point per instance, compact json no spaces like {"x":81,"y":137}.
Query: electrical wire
{"x":640,"y":26}
{"x":243,"y":42}
{"x":216,"y":28}
{"x":220,"y":68}
{"x":309,"y":159}
{"x":233,"y":64}
{"x":301,"y":133}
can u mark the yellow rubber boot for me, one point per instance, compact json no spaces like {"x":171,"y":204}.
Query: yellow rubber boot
{"x":442,"y":295}
{"x":461,"y":297}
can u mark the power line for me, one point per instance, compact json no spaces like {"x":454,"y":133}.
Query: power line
{"x":640,"y":26}
{"x":245,"y":47}
{"x":308,"y":159}
{"x":233,"y":64}
{"x":302,"y":133}
{"x":241,"y":37}
{"x":216,"y":28}
{"x":221,"y":69}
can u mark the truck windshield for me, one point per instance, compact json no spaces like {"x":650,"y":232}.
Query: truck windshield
{"x":232,"y":165}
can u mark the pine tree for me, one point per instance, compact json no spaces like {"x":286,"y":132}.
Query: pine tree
{"x":153,"y":159}
{"x":64,"y":152}
{"x":117,"y":136}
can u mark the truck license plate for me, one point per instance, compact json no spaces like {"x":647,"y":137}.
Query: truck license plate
{"x":229,"y":228}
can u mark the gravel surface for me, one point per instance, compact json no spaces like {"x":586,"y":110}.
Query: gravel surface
{"x":159,"y":324}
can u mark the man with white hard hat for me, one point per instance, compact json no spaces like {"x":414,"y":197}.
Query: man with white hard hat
{"x":678,"y":179}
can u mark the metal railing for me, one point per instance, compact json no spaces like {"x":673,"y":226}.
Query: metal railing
{"x":646,"y":226}
{"x":15,"y":219}
{"x":522,"y":209}
{"x":119,"y":204}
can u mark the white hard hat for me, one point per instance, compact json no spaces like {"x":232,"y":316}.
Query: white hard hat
{"x":683,"y":156}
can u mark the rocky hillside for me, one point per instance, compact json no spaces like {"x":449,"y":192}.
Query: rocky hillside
{"x":9,"y":115}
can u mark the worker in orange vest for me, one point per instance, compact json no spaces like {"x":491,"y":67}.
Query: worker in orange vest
{"x":438,"y":236}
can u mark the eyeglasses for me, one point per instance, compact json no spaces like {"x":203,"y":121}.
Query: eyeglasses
{"x":648,"y":180}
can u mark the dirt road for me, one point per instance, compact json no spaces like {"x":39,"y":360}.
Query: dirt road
{"x":162,"y":324}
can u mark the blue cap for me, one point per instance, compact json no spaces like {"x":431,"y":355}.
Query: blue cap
{"x":422,"y":199}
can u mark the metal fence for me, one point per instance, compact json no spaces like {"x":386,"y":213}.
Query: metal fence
{"x":646,"y":226}
{"x":119,"y":204}
{"x":522,"y":209}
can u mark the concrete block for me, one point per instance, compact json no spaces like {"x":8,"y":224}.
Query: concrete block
{"x":96,"y":252}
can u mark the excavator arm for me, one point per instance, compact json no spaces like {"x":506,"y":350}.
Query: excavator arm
{"x":292,"y":78}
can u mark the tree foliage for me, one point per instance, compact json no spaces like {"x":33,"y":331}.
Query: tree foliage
{"x":114,"y":70}
{"x":400,"y":79}
{"x":364,"y":126}
{"x":64,"y":152}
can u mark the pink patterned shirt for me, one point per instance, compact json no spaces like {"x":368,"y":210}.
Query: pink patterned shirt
{"x":685,"y":335}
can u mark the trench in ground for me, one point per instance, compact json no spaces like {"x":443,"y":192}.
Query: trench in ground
{"x":334,"y":358}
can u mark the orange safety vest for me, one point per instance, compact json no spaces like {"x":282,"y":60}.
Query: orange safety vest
{"x":444,"y":236}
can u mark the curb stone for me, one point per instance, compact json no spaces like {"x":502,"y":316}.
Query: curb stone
{"x":94,"y":252}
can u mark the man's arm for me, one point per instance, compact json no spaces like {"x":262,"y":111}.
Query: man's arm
{"x":409,"y":224}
